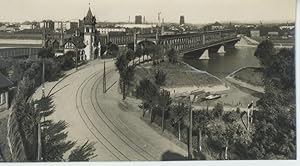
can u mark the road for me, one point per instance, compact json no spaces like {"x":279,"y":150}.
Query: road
{"x":114,"y":125}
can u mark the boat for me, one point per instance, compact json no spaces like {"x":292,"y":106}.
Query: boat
{"x":212,"y":97}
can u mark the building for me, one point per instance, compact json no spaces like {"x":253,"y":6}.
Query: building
{"x":216,"y":26}
{"x":4,"y":92}
{"x":90,"y":38}
{"x":255,"y":33}
{"x":75,"y":44}
{"x":105,"y":31}
{"x":74,"y":25}
{"x":68,"y":25}
{"x":273,"y":33}
{"x":181,"y":21}
{"x":26,"y":26}
{"x":48,"y":24}
{"x":138,"y":19}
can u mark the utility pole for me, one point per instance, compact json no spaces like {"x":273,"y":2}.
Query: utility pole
{"x":76,"y":57}
{"x":104,"y":80}
{"x":190,"y":147}
{"x":43,"y":79}
{"x":163,"y":120}
{"x":39,"y":139}
{"x":43,"y":61}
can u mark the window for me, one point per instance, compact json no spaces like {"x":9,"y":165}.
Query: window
{"x":2,"y":98}
{"x":87,"y":30}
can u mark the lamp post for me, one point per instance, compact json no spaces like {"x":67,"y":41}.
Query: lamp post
{"x":43,"y":77}
{"x":76,"y":52}
{"x":104,"y":79}
{"x":190,"y":134}
{"x":39,"y":139}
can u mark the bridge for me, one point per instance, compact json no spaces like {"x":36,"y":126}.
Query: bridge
{"x":187,"y":44}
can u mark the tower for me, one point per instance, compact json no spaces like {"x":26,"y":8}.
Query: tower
{"x":181,"y":22}
{"x":89,"y":35}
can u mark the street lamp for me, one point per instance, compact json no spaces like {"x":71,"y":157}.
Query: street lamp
{"x":190,"y":143}
{"x":39,"y":138}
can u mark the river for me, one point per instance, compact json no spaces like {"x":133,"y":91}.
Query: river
{"x":233,"y":59}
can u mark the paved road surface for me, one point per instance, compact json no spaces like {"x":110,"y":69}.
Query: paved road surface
{"x":114,"y":125}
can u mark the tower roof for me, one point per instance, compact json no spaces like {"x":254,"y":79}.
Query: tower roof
{"x":89,"y":19}
{"x":89,"y":13}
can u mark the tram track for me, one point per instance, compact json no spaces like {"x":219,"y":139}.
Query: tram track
{"x":80,"y":92}
{"x":121,"y":134}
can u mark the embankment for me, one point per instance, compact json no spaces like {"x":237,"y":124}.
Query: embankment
{"x":248,"y":77}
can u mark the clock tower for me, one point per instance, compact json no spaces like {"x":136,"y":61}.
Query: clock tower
{"x":90,"y":35}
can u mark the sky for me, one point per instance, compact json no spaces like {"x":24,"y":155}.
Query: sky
{"x":195,"y":11}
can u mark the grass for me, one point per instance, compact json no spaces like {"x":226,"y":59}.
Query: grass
{"x":178,"y":75}
{"x":250,"y":75}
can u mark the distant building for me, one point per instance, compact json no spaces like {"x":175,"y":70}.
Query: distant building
{"x":5,"y":83}
{"x":255,"y":33}
{"x":138,"y":19}
{"x":68,"y":25}
{"x":48,"y":24}
{"x":74,"y":25}
{"x":131,"y":26}
{"x":288,"y":27}
{"x":181,"y":22}
{"x":273,"y":33}
{"x":216,"y":26}
{"x":105,"y":31}
{"x":26,"y":26}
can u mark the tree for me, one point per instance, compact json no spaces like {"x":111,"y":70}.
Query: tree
{"x":218,"y":110}
{"x":148,"y":92}
{"x":84,"y":152}
{"x":200,"y":122}
{"x":224,"y":136}
{"x":139,"y":53}
{"x":157,"y":53}
{"x":54,"y":141}
{"x":179,"y":111}
{"x":160,"y":78}
{"x":130,"y":56}
{"x":164,"y":103}
{"x":274,"y":122}
{"x":172,"y":55}
{"x":126,"y":73}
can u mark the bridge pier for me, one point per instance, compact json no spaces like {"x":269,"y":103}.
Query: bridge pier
{"x":221,"y":50}
{"x":205,"y":55}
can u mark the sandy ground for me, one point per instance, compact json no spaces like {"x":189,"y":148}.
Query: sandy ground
{"x":115,"y":126}
{"x":187,"y":90}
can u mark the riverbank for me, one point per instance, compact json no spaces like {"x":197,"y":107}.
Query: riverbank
{"x":248,"y":77}
{"x":181,"y":78}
